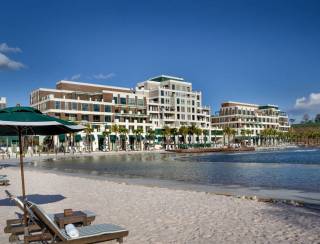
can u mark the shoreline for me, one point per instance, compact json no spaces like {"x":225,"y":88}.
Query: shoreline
{"x":275,"y":195}
{"x":163,"y":215}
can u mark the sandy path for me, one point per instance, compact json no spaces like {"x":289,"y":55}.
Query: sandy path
{"x":159,"y":215}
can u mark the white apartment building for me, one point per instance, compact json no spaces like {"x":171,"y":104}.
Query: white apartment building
{"x":253,"y":117}
{"x":172,"y":102}
{"x":3,"y":102}
{"x":155,"y":103}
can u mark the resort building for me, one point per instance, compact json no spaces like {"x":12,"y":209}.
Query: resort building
{"x":250,"y":117}
{"x":3,"y":102}
{"x":153,"y":104}
{"x":173,"y":103}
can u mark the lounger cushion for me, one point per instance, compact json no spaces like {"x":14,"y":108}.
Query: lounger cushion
{"x":95,"y":230}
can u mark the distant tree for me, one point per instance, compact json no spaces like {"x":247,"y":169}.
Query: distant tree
{"x":305,"y":118}
{"x":317,"y":118}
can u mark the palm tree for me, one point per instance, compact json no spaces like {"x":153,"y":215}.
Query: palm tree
{"x":183,"y":130}
{"x":243,"y":133}
{"x":138,"y":133}
{"x":248,"y":133}
{"x":205,"y":133}
{"x":115,"y":129}
{"x":174,"y":132}
{"x":233,"y":133}
{"x":151,"y":134}
{"x":192,"y":129}
{"x":88,"y":131}
{"x":106,"y":133}
{"x":123,"y":136}
{"x":226,"y":131}
{"x":166,"y":134}
{"x":198,"y":132}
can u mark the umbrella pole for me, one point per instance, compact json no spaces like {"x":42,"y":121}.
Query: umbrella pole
{"x":22,"y":177}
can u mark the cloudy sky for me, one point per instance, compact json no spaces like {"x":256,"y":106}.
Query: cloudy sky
{"x":251,"y":51}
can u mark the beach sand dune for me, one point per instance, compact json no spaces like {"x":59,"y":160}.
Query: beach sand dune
{"x":159,"y":215}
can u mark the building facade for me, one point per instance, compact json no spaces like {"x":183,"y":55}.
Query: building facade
{"x":153,"y":104}
{"x":3,"y":102}
{"x":172,"y":102}
{"x":252,"y":117}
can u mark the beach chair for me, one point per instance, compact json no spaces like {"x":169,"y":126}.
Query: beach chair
{"x":16,"y":227}
{"x":87,"y":234}
{"x":4,"y":181}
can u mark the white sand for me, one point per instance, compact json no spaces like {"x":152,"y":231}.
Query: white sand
{"x":158,"y":215}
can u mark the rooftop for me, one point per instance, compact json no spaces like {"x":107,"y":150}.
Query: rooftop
{"x":161,"y":78}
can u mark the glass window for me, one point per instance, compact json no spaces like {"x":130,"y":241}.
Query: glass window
{"x":85,"y":107}
{"x":85,"y":117}
{"x":107,"y":118}
{"x":123,"y":100}
{"x":107,"y":108}
{"x":96,"y":118}
{"x":132,"y":101}
{"x":74,"y":106}
{"x":96,"y":107}
{"x":140,"y":102}
{"x":115,"y":99}
{"x":57,"y":105}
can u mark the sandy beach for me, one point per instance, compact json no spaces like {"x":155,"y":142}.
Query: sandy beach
{"x":160,"y":215}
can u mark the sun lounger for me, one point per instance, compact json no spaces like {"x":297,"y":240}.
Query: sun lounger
{"x":16,"y":226}
{"x":4,"y":180}
{"x":87,"y":234}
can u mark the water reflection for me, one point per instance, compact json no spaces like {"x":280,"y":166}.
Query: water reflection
{"x":291,"y":169}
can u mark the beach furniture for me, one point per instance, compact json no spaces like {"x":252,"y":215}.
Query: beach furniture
{"x":16,"y":227}
{"x":87,"y":234}
{"x":4,"y":181}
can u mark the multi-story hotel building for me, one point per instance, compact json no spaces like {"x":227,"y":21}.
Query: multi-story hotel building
{"x":172,"y":102}
{"x":155,"y":103}
{"x":245,"y":116}
{"x":3,"y":102}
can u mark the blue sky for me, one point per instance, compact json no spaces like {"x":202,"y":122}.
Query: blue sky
{"x":250,"y":51}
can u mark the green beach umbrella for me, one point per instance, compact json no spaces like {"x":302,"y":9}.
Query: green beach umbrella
{"x":21,"y":121}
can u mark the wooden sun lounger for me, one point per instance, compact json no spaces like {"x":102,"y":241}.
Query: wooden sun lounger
{"x":88,"y":234}
{"x":4,"y":181}
{"x":16,"y":226}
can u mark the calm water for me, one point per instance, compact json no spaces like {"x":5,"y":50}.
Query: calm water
{"x":287,"y":169}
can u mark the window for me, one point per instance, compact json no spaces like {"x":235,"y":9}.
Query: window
{"x":74,"y":106}
{"x":115,"y":99}
{"x":178,"y":101}
{"x":192,"y":102}
{"x":162,"y":100}
{"x":107,"y":108}
{"x":140,"y":102}
{"x":178,"y":116}
{"x":173,"y":87}
{"x":85,"y":107}
{"x":57,"y":105}
{"x":85,"y":117}
{"x":107,"y":118}
{"x":123,"y":100}
{"x":162,"y":93}
{"x":96,"y":107}
{"x":132,"y":101}
{"x":96,"y":118}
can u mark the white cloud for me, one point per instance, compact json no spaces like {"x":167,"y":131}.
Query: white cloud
{"x":8,"y":64}
{"x":75,"y":77}
{"x":104,"y":76}
{"x":310,"y":103}
{"x":4,"y":48}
